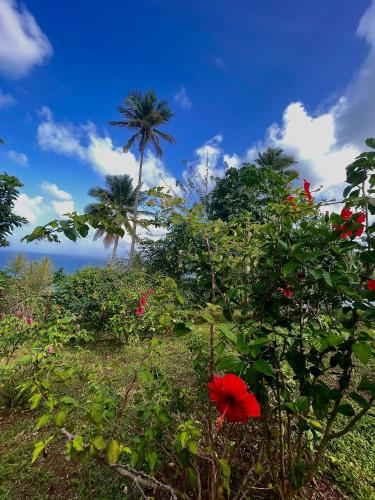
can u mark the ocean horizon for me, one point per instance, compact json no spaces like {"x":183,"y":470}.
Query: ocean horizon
{"x":69,"y":263}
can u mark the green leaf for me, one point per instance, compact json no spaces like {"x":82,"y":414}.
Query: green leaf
{"x":38,"y":448}
{"x":228,"y":334}
{"x":193,"y":447}
{"x":99,"y":443}
{"x":35,"y":400}
{"x":208,"y":317}
{"x":78,"y":443}
{"x":370,"y":142}
{"x":69,"y":401}
{"x":263,"y":366}
{"x":346,"y":409}
{"x":327,"y":278}
{"x":184,"y":437}
{"x":367,"y":385}
{"x":113,"y":452}
{"x":151,"y":459}
{"x":302,"y":404}
{"x":145,"y":376}
{"x":225,"y":474}
{"x":361,"y":401}
{"x":230,"y":363}
{"x":363,"y":352}
{"x":289,"y":267}
{"x":97,"y":413}
{"x":181,"y":329}
{"x":61,"y":418}
{"x":43,"y":420}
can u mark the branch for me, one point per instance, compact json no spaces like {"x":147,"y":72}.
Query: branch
{"x":139,"y":478}
{"x":352,"y":423}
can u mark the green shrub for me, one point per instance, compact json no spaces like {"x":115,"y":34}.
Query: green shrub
{"x":107,"y":299}
{"x":26,"y":288}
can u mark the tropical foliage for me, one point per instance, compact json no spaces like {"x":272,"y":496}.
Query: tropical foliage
{"x":239,"y":348}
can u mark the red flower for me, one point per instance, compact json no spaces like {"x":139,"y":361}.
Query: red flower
{"x":292,"y":201}
{"x":360,"y":231}
{"x":143,"y":300}
{"x":139,"y":311}
{"x":29,"y":320}
{"x":371,"y":285}
{"x":151,"y":291}
{"x":306,"y":187}
{"x":346,"y":213}
{"x":361,"y":218}
{"x":345,"y":233}
{"x":287,"y":292}
{"x":232,"y":399}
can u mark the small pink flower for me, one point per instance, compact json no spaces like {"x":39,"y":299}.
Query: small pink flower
{"x":139,"y":311}
{"x":29,"y":320}
{"x":19,"y":314}
{"x":152,"y":291}
{"x":50,"y":349}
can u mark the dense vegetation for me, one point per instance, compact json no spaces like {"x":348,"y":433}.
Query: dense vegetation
{"x":232,"y":358}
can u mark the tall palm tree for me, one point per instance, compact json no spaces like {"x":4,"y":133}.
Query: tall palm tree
{"x":115,"y":201}
{"x":274,"y":158}
{"x":143,"y":113}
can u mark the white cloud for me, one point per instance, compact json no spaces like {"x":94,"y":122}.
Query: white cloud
{"x":29,"y":207}
{"x":208,"y":157}
{"x":83,"y":143}
{"x":233,"y":161}
{"x":22,"y":43}
{"x":63,"y":138}
{"x":54,"y":191}
{"x":312,"y":140}
{"x":19,"y":158}
{"x":6,"y":100}
{"x":325,"y":143}
{"x":63,"y":207}
{"x":182,"y":99}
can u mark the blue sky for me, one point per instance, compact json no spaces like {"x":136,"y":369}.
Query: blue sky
{"x":239,"y":76}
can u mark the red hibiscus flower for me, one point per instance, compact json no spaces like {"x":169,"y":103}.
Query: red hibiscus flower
{"x":359,"y":231}
{"x":232,"y":399}
{"x":371,"y":285}
{"x":306,"y":187}
{"x":346,"y":213}
{"x":139,"y":311}
{"x":361,"y":218}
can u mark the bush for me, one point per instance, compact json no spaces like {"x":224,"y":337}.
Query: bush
{"x":26,"y":288}
{"x":107,"y":300}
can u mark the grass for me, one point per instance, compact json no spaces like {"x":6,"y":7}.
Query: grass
{"x":350,"y":464}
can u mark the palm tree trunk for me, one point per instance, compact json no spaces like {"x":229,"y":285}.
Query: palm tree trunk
{"x":115,"y":245}
{"x":135,"y":211}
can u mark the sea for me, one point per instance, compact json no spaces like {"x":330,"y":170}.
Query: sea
{"x":69,"y":263}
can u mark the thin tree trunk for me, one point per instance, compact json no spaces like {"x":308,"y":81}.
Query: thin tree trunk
{"x":115,"y":245}
{"x":135,"y":211}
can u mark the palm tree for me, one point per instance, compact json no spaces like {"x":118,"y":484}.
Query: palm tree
{"x":115,"y":201}
{"x":275,"y":159}
{"x":143,"y":113}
